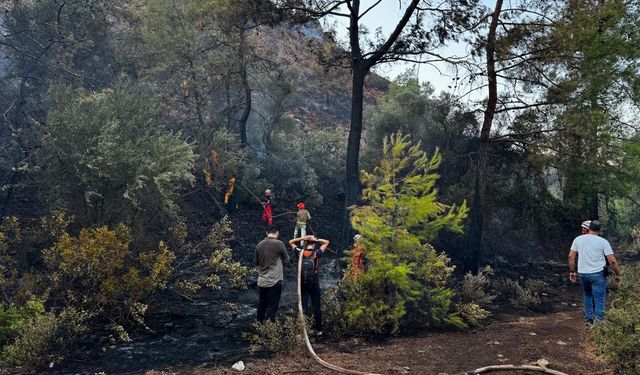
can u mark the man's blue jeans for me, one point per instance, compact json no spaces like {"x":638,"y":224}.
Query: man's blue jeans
{"x":594,"y":286}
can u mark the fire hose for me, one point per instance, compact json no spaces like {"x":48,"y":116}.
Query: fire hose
{"x":483,"y":370}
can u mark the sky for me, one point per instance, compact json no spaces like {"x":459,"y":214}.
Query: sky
{"x":385,"y":16}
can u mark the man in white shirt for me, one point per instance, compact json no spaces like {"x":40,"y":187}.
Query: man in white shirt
{"x":592,"y":251}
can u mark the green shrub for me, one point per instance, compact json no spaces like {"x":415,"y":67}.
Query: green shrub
{"x":13,"y":319}
{"x":334,"y":324}
{"x":617,"y":338}
{"x":475,"y":288}
{"x":505,"y":287}
{"x":98,"y":271}
{"x":407,"y":280}
{"x":108,"y":159}
{"x":635,"y":241}
{"x":279,"y":337}
{"x":207,"y":263}
{"x":536,"y":286}
{"x":521,"y":297}
{"x":472,"y":313}
{"x":46,"y":337}
{"x":474,"y":294}
{"x":525,"y":299}
{"x":33,"y":344}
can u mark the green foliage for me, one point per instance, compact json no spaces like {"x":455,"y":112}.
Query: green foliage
{"x":475,"y":287}
{"x":107,"y":160}
{"x":504,"y":286}
{"x":472,"y":313}
{"x":279,"y":337}
{"x":597,"y":89}
{"x":617,"y":338}
{"x":536,"y":286}
{"x":411,"y":107}
{"x":474,"y":295}
{"x":317,"y":157}
{"x":13,"y":319}
{"x":98,"y":271}
{"x":205,"y":264}
{"x":99,"y":277}
{"x":406,"y":282}
{"x":526,"y":297}
{"x":334,"y":323}
{"x":46,"y":337}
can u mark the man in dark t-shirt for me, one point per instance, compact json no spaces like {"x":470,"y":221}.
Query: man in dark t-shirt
{"x":311,"y":290}
{"x":270,"y":255}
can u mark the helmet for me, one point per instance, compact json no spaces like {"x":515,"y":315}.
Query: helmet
{"x":357,"y":237}
{"x":267,"y":192}
{"x":300,"y":205}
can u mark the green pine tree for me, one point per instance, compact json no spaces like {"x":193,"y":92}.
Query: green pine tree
{"x":407,"y":282}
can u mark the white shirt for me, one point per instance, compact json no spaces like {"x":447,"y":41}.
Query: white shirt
{"x":592,"y":251}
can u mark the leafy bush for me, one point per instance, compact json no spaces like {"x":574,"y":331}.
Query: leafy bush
{"x":522,"y":297}
{"x":635,"y":240}
{"x":334,"y":324}
{"x":107,"y":160}
{"x":504,"y":286}
{"x":536,"y":286}
{"x":205,"y":264}
{"x":472,"y":313}
{"x":525,"y":298}
{"x":13,"y":319}
{"x":316,"y":157}
{"x":278,"y":337}
{"x":475,"y":288}
{"x":97,"y":271}
{"x":98,"y":276}
{"x":617,"y":338}
{"x":46,"y":337}
{"x":474,"y":295}
{"x":406,"y":283}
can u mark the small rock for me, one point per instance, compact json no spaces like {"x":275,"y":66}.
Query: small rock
{"x":545,"y":294}
{"x":500,"y":356}
{"x":238,"y":366}
{"x":560,"y":342}
{"x":574,"y":305}
{"x":532,"y":334}
{"x":564,"y":304}
{"x":542,"y":362}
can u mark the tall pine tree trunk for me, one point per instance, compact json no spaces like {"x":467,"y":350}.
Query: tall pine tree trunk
{"x":244,"y":80}
{"x":473,"y":248}
{"x":352,"y":180}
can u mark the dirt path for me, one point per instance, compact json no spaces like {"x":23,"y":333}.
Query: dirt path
{"x":558,"y":337}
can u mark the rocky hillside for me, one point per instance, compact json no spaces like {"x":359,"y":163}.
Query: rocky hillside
{"x":322,"y":95}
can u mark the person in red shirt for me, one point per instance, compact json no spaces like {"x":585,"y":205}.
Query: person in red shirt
{"x":357,"y":258}
{"x":267,"y":213}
